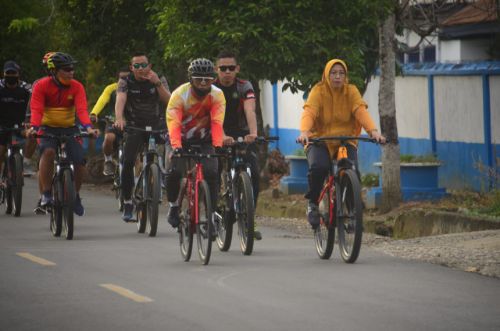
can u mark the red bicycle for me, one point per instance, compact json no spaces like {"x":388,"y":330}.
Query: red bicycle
{"x":195,"y":206}
{"x":340,"y":205}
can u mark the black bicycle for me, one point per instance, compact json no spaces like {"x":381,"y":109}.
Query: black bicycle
{"x":63,"y":186}
{"x":148,"y":192}
{"x":236,"y":200}
{"x":11,"y":187}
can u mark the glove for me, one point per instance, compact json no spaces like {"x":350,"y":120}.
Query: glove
{"x":93,"y":118}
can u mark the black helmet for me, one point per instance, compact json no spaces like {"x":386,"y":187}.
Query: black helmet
{"x":201,"y":67}
{"x":58,"y":60}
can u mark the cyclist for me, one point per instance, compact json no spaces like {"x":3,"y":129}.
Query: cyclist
{"x":56,"y":102}
{"x":240,"y":119}
{"x":138,"y":103}
{"x":333,"y":108}
{"x":14,"y":98}
{"x":105,"y":106}
{"x":195,"y":113}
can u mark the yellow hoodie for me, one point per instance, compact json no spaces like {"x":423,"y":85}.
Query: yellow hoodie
{"x":332,"y":111}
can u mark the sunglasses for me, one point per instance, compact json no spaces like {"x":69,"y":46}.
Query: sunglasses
{"x":140,"y":65}
{"x":203,"y":79}
{"x":68,"y":69}
{"x":225,"y":68}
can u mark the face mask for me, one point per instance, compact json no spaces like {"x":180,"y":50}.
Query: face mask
{"x":201,"y":93}
{"x":11,"y":80}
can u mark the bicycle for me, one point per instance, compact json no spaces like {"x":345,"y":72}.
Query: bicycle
{"x":108,"y":121}
{"x":63,"y":186}
{"x":149,"y":181}
{"x":195,"y":205}
{"x":236,"y":202}
{"x":340,"y":205}
{"x":11,"y":188}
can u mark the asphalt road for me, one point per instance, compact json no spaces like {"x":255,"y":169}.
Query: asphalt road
{"x":112,"y":278}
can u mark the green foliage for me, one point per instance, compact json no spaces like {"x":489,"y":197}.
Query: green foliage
{"x":410,"y":158}
{"x":370,"y":180}
{"x":275,"y":39}
{"x":299,"y":152}
{"x":24,"y":24}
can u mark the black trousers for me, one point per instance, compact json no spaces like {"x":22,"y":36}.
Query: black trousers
{"x":319,"y":162}
{"x":176,"y":168}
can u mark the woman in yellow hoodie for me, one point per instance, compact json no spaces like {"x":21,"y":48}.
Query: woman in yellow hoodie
{"x":334,"y":108}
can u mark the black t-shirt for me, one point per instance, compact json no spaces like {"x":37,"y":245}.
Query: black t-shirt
{"x":143,"y":106}
{"x":13,"y":103}
{"x":235,"y":121}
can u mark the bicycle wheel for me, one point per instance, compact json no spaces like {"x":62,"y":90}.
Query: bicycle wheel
{"x":350,"y":216}
{"x":141,"y":214}
{"x":117,"y":189}
{"x":55,"y":209}
{"x":17,"y":183}
{"x":68,"y":203}
{"x":324,"y":234}
{"x":204,"y":227}
{"x":185,"y":226}
{"x":224,"y":215}
{"x":8,"y":198}
{"x":153,"y":199}
{"x":245,"y":212}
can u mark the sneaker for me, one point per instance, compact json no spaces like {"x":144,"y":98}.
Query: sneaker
{"x":78,"y":208}
{"x":109,"y":168}
{"x":313,"y":215}
{"x":46,"y":200}
{"x":173,"y":216}
{"x":128,"y":210}
{"x":39,"y":210}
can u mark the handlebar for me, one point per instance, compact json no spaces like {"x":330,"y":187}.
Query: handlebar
{"x":146,"y":129}
{"x":63,"y":136}
{"x":342,"y":139}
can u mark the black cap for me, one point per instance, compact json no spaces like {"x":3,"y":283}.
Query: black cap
{"x":11,"y":66}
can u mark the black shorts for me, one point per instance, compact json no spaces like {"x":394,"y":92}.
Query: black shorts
{"x":73,"y":146}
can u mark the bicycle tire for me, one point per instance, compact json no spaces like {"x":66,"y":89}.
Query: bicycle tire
{"x":55,"y":209}
{"x":141,"y":207}
{"x":350,"y":216}
{"x":153,"y":199}
{"x":185,"y":228}
{"x":17,"y":183}
{"x":68,"y":203}
{"x":117,"y":189}
{"x":245,"y":212}
{"x":204,"y":227}
{"x":8,"y":199}
{"x":324,"y":234}
{"x":224,"y":215}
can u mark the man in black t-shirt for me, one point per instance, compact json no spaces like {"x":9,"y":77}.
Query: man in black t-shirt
{"x":14,"y":98}
{"x":139,"y":97}
{"x":240,"y":119}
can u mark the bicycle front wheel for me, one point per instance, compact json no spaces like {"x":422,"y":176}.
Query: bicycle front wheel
{"x":117,"y":189}
{"x":68,"y":203}
{"x":245,"y":212}
{"x":350,"y":216}
{"x":185,"y":225}
{"x":324,"y":234}
{"x":224,"y":215}
{"x":204,"y":226}
{"x":153,"y":199}
{"x":17,"y":183}
{"x":55,"y":209}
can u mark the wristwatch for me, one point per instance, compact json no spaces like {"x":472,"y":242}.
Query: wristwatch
{"x":158,"y":84}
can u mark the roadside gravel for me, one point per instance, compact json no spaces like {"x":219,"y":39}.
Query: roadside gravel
{"x":477,"y":252}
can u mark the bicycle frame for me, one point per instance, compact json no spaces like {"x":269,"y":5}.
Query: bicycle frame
{"x":198,"y":177}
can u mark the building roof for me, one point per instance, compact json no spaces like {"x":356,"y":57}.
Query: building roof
{"x":478,"y":12}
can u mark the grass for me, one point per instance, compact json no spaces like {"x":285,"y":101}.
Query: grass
{"x":409,"y":158}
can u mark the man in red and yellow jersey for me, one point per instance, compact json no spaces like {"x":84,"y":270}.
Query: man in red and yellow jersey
{"x":56,"y":102}
{"x":195,"y":112}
